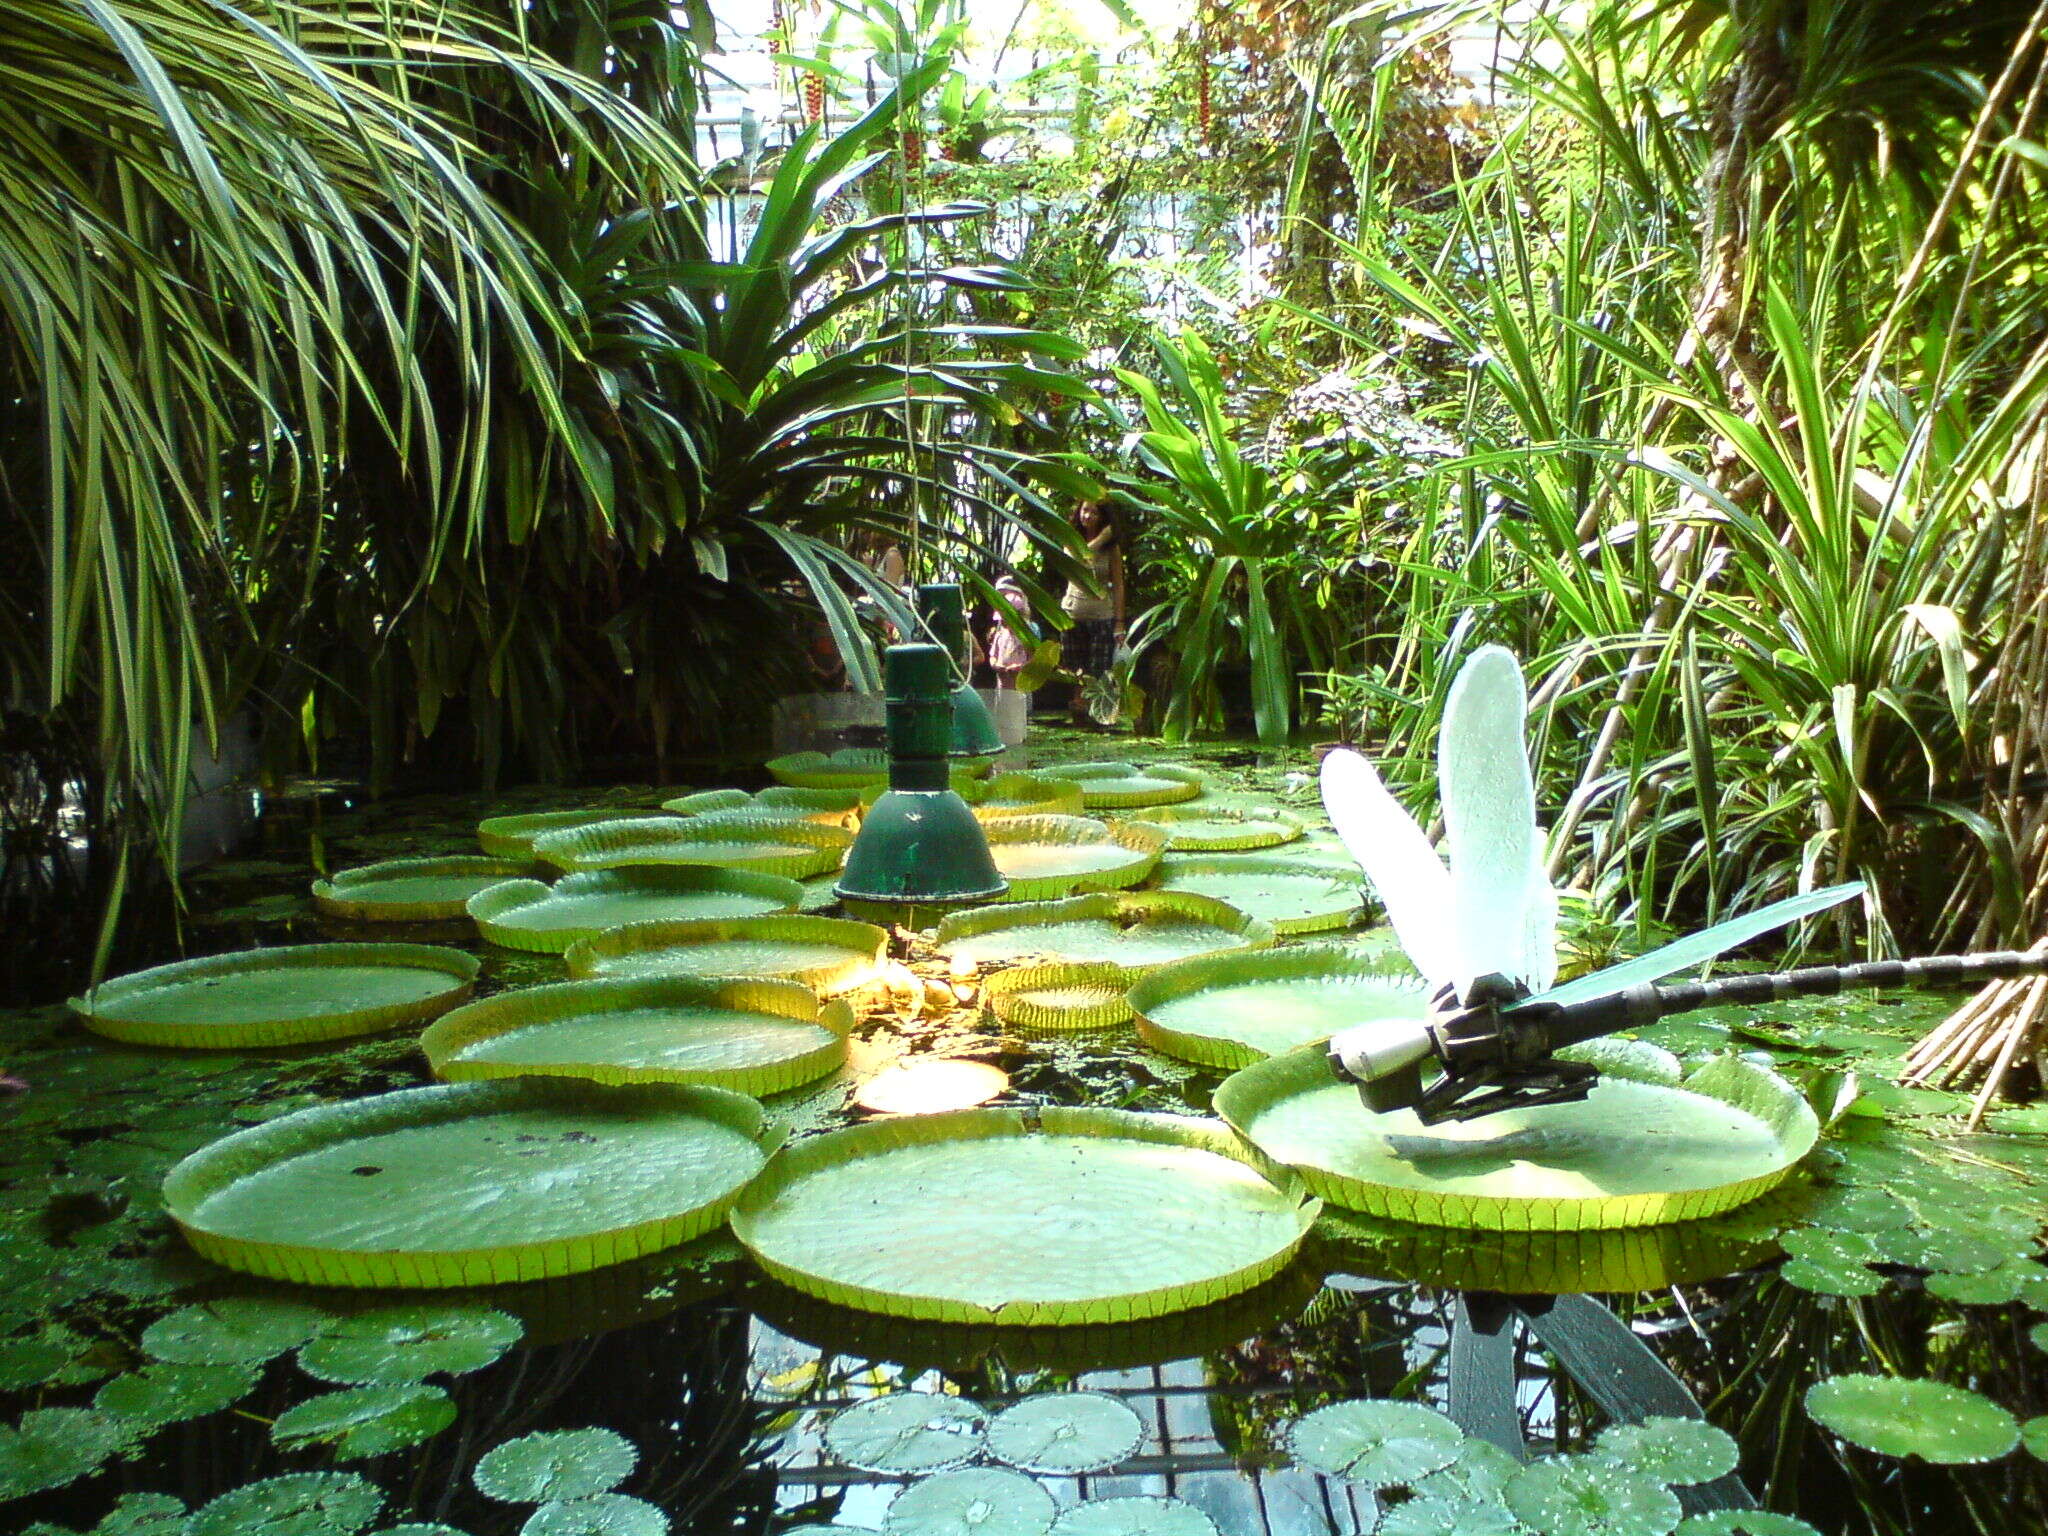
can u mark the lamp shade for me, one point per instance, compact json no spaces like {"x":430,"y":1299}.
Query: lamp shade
{"x":943,"y":608}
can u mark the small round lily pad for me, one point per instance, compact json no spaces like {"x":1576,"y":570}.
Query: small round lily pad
{"x":297,"y":1504}
{"x":1376,"y":1443}
{"x":235,"y":1330}
{"x":555,"y":1464}
{"x":1673,"y":1451}
{"x":1065,"y":1432}
{"x":1895,"y":1416}
{"x":412,"y":890}
{"x":389,"y":1346}
{"x":1144,"y":1515}
{"x":1744,"y":1522}
{"x":364,"y":1421}
{"x":982,"y":1500}
{"x":49,"y":1447}
{"x":165,"y":1394}
{"x":1591,"y":1496}
{"x":1432,"y":1515}
{"x":913,"y":1432}
{"x":598,"y":1514}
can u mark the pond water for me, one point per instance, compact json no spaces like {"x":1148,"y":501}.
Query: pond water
{"x":1905,"y":1251}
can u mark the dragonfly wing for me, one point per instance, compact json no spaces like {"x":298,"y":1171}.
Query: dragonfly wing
{"x":1499,"y":890}
{"x":1696,"y":949}
{"x":1406,"y":874}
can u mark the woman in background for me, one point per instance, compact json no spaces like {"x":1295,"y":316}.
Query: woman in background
{"x":1089,"y":648}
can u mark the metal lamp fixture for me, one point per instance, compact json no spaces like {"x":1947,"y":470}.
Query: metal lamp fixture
{"x":944,"y":611}
{"x":920,"y":847}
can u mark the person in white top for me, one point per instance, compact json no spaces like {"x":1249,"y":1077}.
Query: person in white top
{"x":1088,"y":649}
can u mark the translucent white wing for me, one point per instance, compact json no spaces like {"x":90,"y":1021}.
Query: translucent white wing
{"x":1406,"y":874}
{"x":1502,"y":905}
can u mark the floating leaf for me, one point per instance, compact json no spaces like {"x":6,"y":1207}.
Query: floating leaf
{"x":2039,"y":1335}
{"x":1590,"y":1496}
{"x":1123,"y":786}
{"x":1673,"y":1451}
{"x":1136,"y":930}
{"x":1065,"y":1432}
{"x":907,"y":1432}
{"x":31,"y":1361}
{"x":1234,"y":1009}
{"x":829,"y":954}
{"x":364,"y":1421}
{"x":401,"y":1344}
{"x":1859,"y":1210}
{"x":164,"y":1394}
{"x":2034,"y":1436}
{"x":1897,"y":1417}
{"x":1481,"y":1470}
{"x":297,"y":1504}
{"x":976,"y":1501}
{"x":1941,"y":1248}
{"x":1378,"y":1444}
{"x":420,"y":1528}
{"x":236,"y":1330}
{"x":143,"y":1514}
{"x":1293,"y":895}
{"x":1142,"y":1516}
{"x":54,"y":1446}
{"x":1045,"y":857}
{"x":1744,"y":1522}
{"x":555,"y":1464}
{"x":1831,"y":1263}
{"x":412,"y":890}
{"x":1428,"y":1516}
{"x":795,"y":850}
{"x":597,"y":1514}
{"x":1987,"y":1288}
{"x":531,"y":915}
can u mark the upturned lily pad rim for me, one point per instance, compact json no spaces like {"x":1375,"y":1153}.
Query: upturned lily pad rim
{"x":865,"y":945}
{"x":332,"y":895}
{"x":1001,"y":993}
{"x":1028,"y":794}
{"x":99,"y":1008}
{"x":511,"y":837}
{"x":1341,"y":913}
{"x":1143,"y":841}
{"x":1236,"y":968}
{"x":494,"y":909}
{"x":1782,"y":1109}
{"x":853,"y":768}
{"x":1261,"y":827}
{"x":1098,"y":783}
{"x":504,"y":1012}
{"x":794,"y":1163}
{"x":829,"y":808}
{"x":215,"y":1166}
{"x":667,"y":839}
{"x":1125,"y":908}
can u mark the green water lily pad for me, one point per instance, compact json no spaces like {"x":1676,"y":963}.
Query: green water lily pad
{"x":290,"y":995}
{"x":1120,"y":786}
{"x":1065,"y":1432}
{"x":1830,"y":1262}
{"x":412,"y":890}
{"x":907,"y":1432}
{"x":391,"y":1346}
{"x":795,"y":850}
{"x":828,"y":954}
{"x":31,"y":1361}
{"x":1631,"y":1154}
{"x":1294,"y":895}
{"x":420,"y":1528}
{"x":975,"y":1501}
{"x":1046,"y":857}
{"x":1990,"y":1288}
{"x":1428,"y":1515}
{"x":165,"y":1394}
{"x":1062,"y":996}
{"x":469,"y":1183}
{"x":1026,"y":794}
{"x":50,"y":1447}
{"x":143,"y":1514}
{"x":512,"y":837}
{"x":1673,"y":1451}
{"x":1897,"y":1417}
{"x":1132,"y":930}
{"x":848,"y":768}
{"x":1232,"y":1010}
{"x":1224,"y":828}
{"x":1375,"y":1443}
{"x":235,"y":1330}
{"x":1590,"y":1496}
{"x":364,"y":1421}
{"x":599,"y":1514}
{"x":1859,"y":1210}
{"x":1143,"y":1515}
{"x":782,"y":802}
{"x":1018,"y":1217}
{"x":555,"y":1464}
{"x":297,"y":1504}
{"x":531,"y":915}
{"x":2034,"y":1436}
{"x":752,"y":1036}
{"x":1744,"y":1522}
{"x":820,"y":893}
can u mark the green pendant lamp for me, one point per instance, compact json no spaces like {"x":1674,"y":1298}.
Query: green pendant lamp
{"x":944,"y":611}
{"x":920,"y":851}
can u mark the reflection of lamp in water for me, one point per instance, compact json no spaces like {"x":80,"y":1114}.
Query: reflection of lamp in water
{"x":920,"y":846}
{"x":944,"y":612}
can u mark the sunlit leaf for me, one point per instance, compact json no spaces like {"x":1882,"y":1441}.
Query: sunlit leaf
{"x":402,"y":1344}
{"x":1065,"y":1432}
{"x":975,"y":1501}
{"x":597,"y":1514}
{"x":1590,"y":1496}
{"x":364,"y":1421}
{"x":555,"y":1464}
{"x":1672,"y":1451}
{"x":234,"y":1330}
{"x":907,"y":1432}
{"x":163,"y":1394}
{"x":1898,"y":1417}
{"x":297,"y":1504}
{"x":1138,"y":1516}
{"x":1375,"y":1443}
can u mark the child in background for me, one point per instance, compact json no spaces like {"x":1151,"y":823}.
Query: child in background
{"x":1008,"y":652}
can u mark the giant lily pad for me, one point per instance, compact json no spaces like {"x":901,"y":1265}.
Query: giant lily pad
{"x":470,"y":1183}
{"x":1232,"y":1010}
{"x":512,"y":837}
{"x":1122,"y":786}
{"x":412,"y":890}
{"x":289,"y":995}
{"x":1135,"y":930}
{"x":794,"y":849}
{"x":1019,"y":1217}
{"x":1898,"y":1417}
{"x":1294,"y":895}
{"x":830,"y":954}
{"x":752,"y":1036}
{"x":1224,"y":829}
{"x":1063,"y":995}
{"x":848,"y":768}
{"x":527,"y":914}
{"x":781,"y":802}
{"x":1633,"y":1153}
{"x":1027,"y":794}
{"x":1045,"y":857}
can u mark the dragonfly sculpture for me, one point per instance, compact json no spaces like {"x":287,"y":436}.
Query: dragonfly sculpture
{"x":1483,"y":931}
